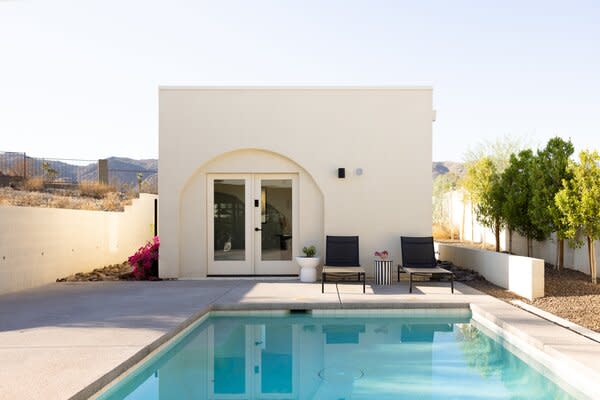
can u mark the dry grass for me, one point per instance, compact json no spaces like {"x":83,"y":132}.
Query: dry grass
{"x":113,"y":202}
{"x":110,"y":202}
{"x":472,"y":245}
{"x":34,"y":184}
{"x":97,"y":190}
{"x":440,"y":232}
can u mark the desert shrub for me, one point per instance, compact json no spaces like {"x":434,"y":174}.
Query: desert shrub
{"x":112,"y":202}
{"x":60,"y":202}
{"x":94,"y":189}
{"x":440,"y":232}
{"x":150,"y":185}
{"x":35,"y":183}
{"x":145,"y":261}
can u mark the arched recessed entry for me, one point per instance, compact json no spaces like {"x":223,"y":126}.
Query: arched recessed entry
{"x":249,"y":212}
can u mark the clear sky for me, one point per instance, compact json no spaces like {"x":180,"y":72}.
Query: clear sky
{"x":79,"y":78}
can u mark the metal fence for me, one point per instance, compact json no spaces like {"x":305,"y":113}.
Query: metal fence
{"x":128,"y":179}
{"x":18,"y":168}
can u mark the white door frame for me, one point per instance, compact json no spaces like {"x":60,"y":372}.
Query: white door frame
{"x":252,"y":263}
{"x":275,"y":267}
{"x":253,"y":365}
{"x":221,"y":267}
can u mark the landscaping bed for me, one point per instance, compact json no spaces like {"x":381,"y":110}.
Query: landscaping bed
{"x":569,"y":294}
{"x":115,"y":272}
{"x":63,"y":198}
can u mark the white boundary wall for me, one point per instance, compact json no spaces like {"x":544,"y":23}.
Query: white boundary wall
{"x":39,"y":245}
{"x":521,"y":275}
{"x":472,"y":231}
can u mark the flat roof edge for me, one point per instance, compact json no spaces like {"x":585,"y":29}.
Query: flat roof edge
{"x":313,"y":87}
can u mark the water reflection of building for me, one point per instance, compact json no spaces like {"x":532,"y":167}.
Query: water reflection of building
{"x":312,"y":358}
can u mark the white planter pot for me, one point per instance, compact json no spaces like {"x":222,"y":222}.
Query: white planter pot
{"x":308,"y":268}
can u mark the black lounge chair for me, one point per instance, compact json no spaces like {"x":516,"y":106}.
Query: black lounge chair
{"x":341,"y":259}
{"x":418,"y":258}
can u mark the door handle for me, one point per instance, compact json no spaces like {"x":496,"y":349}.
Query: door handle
{"x":257,"y":229}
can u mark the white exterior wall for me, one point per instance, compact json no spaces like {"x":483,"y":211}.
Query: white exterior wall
{"x":384,"y":131}
{"x":39,"y":245}
{"x":521,"y":275}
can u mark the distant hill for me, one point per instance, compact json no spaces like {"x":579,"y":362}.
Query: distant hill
{"x":444,"y":167}
{"x":124,"y":170}
{"x":121,"y":170}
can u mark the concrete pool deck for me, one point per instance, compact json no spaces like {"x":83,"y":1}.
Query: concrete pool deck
{"x":57,"y":340}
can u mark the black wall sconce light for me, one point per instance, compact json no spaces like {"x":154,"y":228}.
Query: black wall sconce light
{"x":341,"y":173}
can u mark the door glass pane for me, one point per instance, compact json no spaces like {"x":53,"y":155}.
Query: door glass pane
{"x":229,"y":219}
{"x":230,"y":357}
{"x":276,"y":219}
{"x":276,"y":359}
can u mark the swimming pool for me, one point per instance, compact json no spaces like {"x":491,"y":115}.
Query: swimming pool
{"x":409,"y":354}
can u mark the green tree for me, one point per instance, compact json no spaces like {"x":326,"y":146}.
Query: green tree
{"x":498,"y":152}
{"x":517,"y":206}
{"x":547,"y":174}
{"x":482,"y":182}
{"x":579,"y":203}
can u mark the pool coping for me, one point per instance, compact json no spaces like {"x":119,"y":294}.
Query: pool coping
{"x":578,"y":374}
{"x":571,"y":371}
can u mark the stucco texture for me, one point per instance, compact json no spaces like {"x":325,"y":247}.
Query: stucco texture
{"x":310,"y":132}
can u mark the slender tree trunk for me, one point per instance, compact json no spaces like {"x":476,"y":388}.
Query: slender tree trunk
{"x":589,"y":250}
{"x":592,"y":257}
{"x":556,"y":254}
{"x":472,"y":225}
{"x":462,"y":225}
{"x":497,"y":234}
{"x":561,"y":253}
{"x":595,"y":276}
{"x":510,"y":237}
{"x":451,"y":215}
{"x":529,"y":246}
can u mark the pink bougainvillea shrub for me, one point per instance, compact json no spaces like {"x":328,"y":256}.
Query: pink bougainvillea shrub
{"x":145,"y":260}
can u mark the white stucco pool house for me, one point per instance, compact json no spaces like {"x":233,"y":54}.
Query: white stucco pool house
{"x":250,"y":175}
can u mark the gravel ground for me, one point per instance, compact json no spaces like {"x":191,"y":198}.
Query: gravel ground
{"x":115,"y":272}
{"x":569,"y":294}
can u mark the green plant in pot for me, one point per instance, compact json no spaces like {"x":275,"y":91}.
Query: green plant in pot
{"x":308,"y":264}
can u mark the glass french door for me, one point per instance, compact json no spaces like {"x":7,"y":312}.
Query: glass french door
{"x":252,"y":224}
{"x":253,"y":361}
{"x":230,"y":225}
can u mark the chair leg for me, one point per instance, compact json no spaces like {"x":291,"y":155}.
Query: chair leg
{"x":398,"y":274}
{"x":452,"y":282}
{"x":323,"y":277}
{"x":364,"y":276}
{"x":409,"y":282}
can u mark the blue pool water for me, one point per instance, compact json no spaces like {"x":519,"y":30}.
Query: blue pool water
{"x":363,"y":356}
